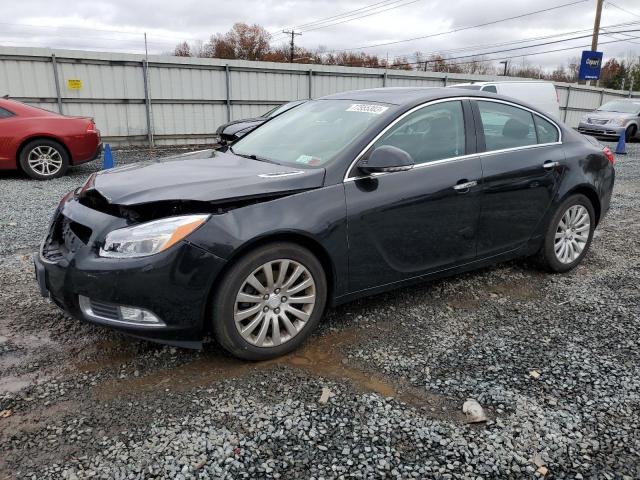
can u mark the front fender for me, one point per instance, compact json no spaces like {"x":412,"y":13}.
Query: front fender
{"x":318,"y":215}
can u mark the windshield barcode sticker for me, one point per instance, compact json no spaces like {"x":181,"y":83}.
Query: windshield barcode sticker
{"x":367,"y":108}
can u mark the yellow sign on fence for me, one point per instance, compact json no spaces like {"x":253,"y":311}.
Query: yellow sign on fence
{"x":74,"y":84}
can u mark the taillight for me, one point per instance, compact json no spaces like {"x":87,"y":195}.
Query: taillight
{"x":609,"y":154}
{"x":91,"y":128}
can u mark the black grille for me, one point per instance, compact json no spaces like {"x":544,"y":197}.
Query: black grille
{"x":105,"y":310}
{"x":65,"y":236}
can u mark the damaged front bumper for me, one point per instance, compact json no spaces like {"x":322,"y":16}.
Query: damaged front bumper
{"x":173,"y":287}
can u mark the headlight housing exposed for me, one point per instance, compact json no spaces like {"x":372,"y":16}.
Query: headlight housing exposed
{"x":151,"y":237}
{"x":618,"y":121}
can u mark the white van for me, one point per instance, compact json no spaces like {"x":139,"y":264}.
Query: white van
{"x":542,"y":95}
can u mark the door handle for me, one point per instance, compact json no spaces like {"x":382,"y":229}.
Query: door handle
{"x":465,"y":186}
{"x":548,"y":165}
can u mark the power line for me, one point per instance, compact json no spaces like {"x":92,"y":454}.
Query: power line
{"x":384,"y":3}
{"x":623,"y":9}
{"x":493,"y":22}
{"x":345,"y":19}
{"x":361,"y":16}
{"x":536,"y":45}
{"x":449,"y":63}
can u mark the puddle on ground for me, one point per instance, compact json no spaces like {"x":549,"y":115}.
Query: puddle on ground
{"x":319,"y":357}
{"x":12,"y":384}
{"x":520,"y":289}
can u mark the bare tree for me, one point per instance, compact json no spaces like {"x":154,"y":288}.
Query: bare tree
{"x":182,"y":50}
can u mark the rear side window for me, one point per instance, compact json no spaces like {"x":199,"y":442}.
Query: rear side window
{"x":432,"y":133}
{"x":490,"y":88}
{"x":506,"y":126}
{"x":5,"y":113}
{"x":547,"y":131}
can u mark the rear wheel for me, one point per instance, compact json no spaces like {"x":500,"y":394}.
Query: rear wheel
{"x":269,"y":302}
{"x":568,"y":235}
{"x":44,"y":159}
{"x":630,"y":133}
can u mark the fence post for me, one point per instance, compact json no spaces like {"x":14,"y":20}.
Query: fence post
{"x":601,"y":97}
{"x":228,"y":81}
{"x":147,"y":101}
{"x":445,"y":80}
{"x":566,"y":105}
{"x":384,"y":79}
{"x":310,"y":84}
{"x":57,"y":81}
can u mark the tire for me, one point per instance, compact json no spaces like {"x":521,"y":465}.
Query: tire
{"x":44,"y":159}
{"x":552,"y":256}
{"x":269,"y":315}
{"x":630,"y":133}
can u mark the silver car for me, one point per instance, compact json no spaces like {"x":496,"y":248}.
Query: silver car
{"x":612,"y":119}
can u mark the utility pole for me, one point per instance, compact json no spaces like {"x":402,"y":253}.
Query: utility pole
{"x":506,"y":67}
{"x":596,"y":28}
{"x":293,"y":33}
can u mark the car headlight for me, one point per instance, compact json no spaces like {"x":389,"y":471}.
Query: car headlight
{"x":151,"y":237}
{"x":618,"y":121}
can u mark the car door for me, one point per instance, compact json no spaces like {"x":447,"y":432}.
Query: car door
{"x":522,"y":160}
{"x":410,"y":223}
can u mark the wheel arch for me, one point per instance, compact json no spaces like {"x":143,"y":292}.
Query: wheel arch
{"x":589,"y":192}
{"x":27,"y":140}
{"x":298,"y":238}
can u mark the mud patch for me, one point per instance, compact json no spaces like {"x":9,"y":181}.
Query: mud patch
{"x":320,"y":357}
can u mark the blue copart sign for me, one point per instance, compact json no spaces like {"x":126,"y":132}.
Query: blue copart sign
{"x":590,"y":65}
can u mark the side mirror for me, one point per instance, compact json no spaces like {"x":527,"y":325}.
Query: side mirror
{"x":386,"y":159}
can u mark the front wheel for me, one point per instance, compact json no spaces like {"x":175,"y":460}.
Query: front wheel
{"x":630,"y":133}
{"x":568,"y":235}
{"x":269,"y":302}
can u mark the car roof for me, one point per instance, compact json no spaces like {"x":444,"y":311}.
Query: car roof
{"x":404,"y":96}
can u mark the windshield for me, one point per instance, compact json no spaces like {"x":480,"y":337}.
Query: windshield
{"x":620,"y":106}
{"x":311,"y":134}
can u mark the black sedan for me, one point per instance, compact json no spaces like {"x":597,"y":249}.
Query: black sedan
{"x":342,"y":197}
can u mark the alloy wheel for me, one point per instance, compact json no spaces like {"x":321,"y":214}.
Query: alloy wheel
{"x":572,"y":234}
{"x":45,"y":160}
{"x":274,"y":303}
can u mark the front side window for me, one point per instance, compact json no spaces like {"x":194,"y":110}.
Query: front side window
{"x":506,"y":126}
{"x":5,"y":113}
{"x":312,"y":134}
{"x":432,"y":133}
{"x":490,"y":88}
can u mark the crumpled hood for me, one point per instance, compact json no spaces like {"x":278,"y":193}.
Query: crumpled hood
{"x":208,"y":175}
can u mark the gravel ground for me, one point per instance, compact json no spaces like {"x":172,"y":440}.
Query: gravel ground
{"x":376,"y":393}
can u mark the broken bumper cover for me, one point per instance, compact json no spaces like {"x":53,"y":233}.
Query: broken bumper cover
{"x":172,"y":287}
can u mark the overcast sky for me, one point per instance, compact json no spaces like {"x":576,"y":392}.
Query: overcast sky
{"x":118,"y":25}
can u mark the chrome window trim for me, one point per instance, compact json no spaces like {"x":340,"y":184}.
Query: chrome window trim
{"x":348,"y":178}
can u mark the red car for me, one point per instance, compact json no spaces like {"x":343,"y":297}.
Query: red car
{"x":44,"y":144}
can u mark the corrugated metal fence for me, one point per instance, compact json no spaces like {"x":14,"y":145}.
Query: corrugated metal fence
{"x":183,"y":100}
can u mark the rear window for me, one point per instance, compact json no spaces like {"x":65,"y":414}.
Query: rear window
{"x":490,"y":88}
{"x":546,"y":131}
{"x":4,"y":113}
